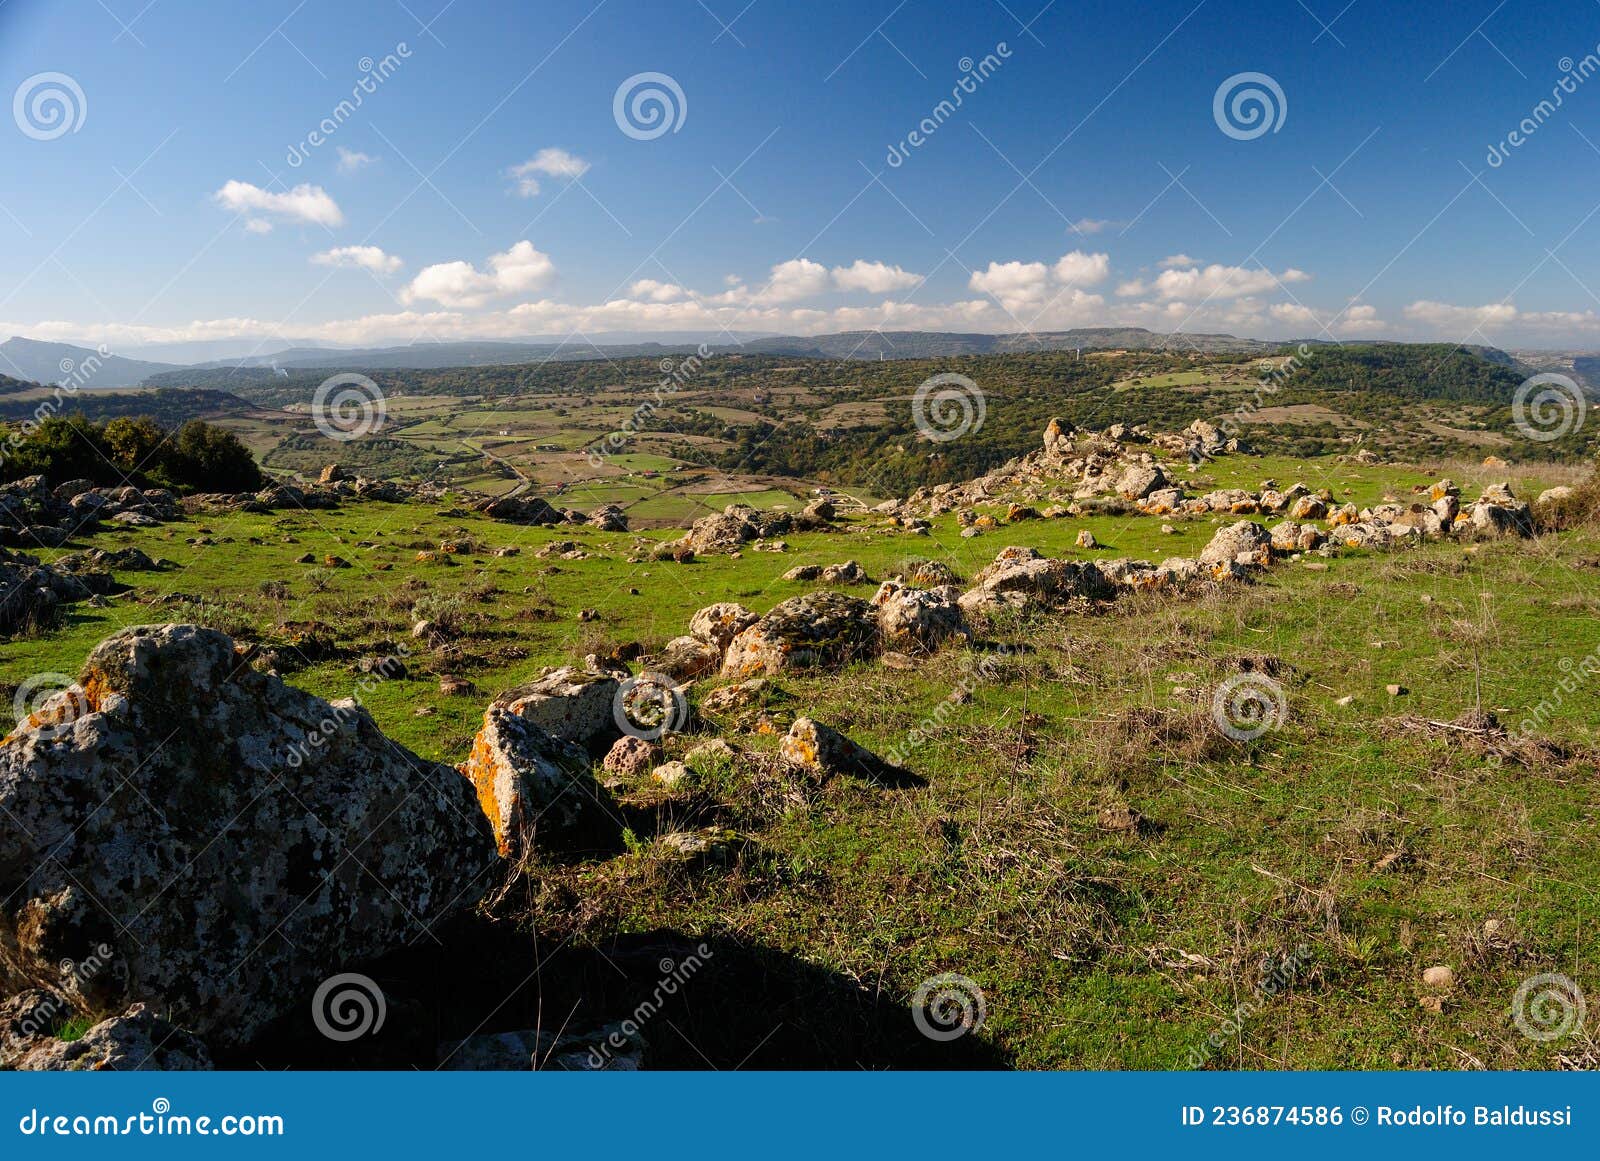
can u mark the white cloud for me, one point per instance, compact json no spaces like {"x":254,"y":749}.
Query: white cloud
{"x":350,"y":160}
{"x":1016,"y":285}
{"x":873,"y":277}
{"x":460,"y":284}
{"x":793,"y":280}
{"x":362,"y":257}
{"x":1093,"y":225}
{"x":1177,"y":261}
{"x":551,"y":163}
{"x":1080,"y":269}
{"x":653,"y":291}
{"x":258,"y":226}
{"x":1217,"y":281}
{"x":304,"y":203}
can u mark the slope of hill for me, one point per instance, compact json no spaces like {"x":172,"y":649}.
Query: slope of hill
{"x":53,"y":362}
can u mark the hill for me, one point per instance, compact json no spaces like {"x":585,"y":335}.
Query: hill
{"x":51,"y":363}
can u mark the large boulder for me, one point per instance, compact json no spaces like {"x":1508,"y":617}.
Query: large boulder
{"x":1140,"y":480}
{"x":824,"y":629}
{"x":536,"y":790}
{"x":915,"y":620}
{"x":571,"y":704}
{"x":720,"y":623}
{"x":1021,"y":581}
{"x":735,"y":524}
{"x":520,"y":510}
{"x":229,"y":838}
{"x":1246,"y":543}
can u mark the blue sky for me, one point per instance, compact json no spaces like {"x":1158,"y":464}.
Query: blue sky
{"x":484,"y":187}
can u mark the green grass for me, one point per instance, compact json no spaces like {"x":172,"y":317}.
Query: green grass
{"x":1095,"y":948}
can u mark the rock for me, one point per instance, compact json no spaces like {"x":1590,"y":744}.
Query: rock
{"x":708,"y":756}
{"x":914,"y":620}
{"x":570,"y":704}
{"x":685,"y":658}
{"x":339,"y":844}
{"x":629,"y":757}
{"x":1439,"y":976}
{"x":824,"y":749}
{"x":673,"y":775}
{"x":1033,"y":581}
{"x":848,"y":573}
{"x":803,"y":572}
{"x":520,"y":510}
{"x":1554,"y":495}
{"x":1309,"y":508}
{"x":719,"y":624}
{"x":136,"y":1041}
{"x":1396,"y":690}
{"x":1491,"y":519}
{"x":608,"y":518}
{"x":535,"y":789}
{"x":820,"y":629}
{"x":452,"y":686}
{"x":712,"y":844}
{"x":331,"y":474}
{"x":1086,"y":539}
{"x":1140,"y":480}
{"x":817,"y":514}
{"x":732,"y":698}
{"x":615,"y":1047}
{"x":927,"y":574}
{"x":734,"y":525}
{"x":1244,"y":542}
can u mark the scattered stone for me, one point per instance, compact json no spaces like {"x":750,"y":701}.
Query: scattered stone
{"x":534,"y":788}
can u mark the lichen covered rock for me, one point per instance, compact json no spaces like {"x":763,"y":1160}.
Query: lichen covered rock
{"x":230,"y":838}
{"x":821,"y":629}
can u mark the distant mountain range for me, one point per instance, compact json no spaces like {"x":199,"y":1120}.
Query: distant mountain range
{"x":52,"y":363}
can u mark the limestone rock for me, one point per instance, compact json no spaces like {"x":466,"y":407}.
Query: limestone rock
{"x":571,"y":704}
{"x":820,"y":629}
{"x":136,"y":1041}
{"x":535,"y":789}
{"x":719,"y":624}
{"x":914,"y":620}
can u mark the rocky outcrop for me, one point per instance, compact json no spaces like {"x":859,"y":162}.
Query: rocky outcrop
{"x":719,"y":624}
{"x":733,"y":526}
{"x":230,"y":838}
{"x":915,"y":620}
{"x":31,"y":593}
{"x":520,"y":510}
{"x":1245,"y":543}
{"x":824,"y":629}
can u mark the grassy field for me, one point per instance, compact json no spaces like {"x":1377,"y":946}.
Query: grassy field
{"x":1081,"y":842}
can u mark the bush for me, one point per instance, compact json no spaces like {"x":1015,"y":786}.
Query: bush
{"x":196,"y":457}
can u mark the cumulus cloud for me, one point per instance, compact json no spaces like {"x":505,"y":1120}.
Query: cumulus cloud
{"x":1216,"y":281}
{"x":873,"y":277}
{"x":1177,"y":261}
{"x":1025,"y":288}
{"x":460,"y":284}
{"x":653,"y":291}
{"x":304,"y":203}
{"x":795,"y":279}
{"x":361,"y":257}
{"x":351,"y":160}
{"x":556,"y":163}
